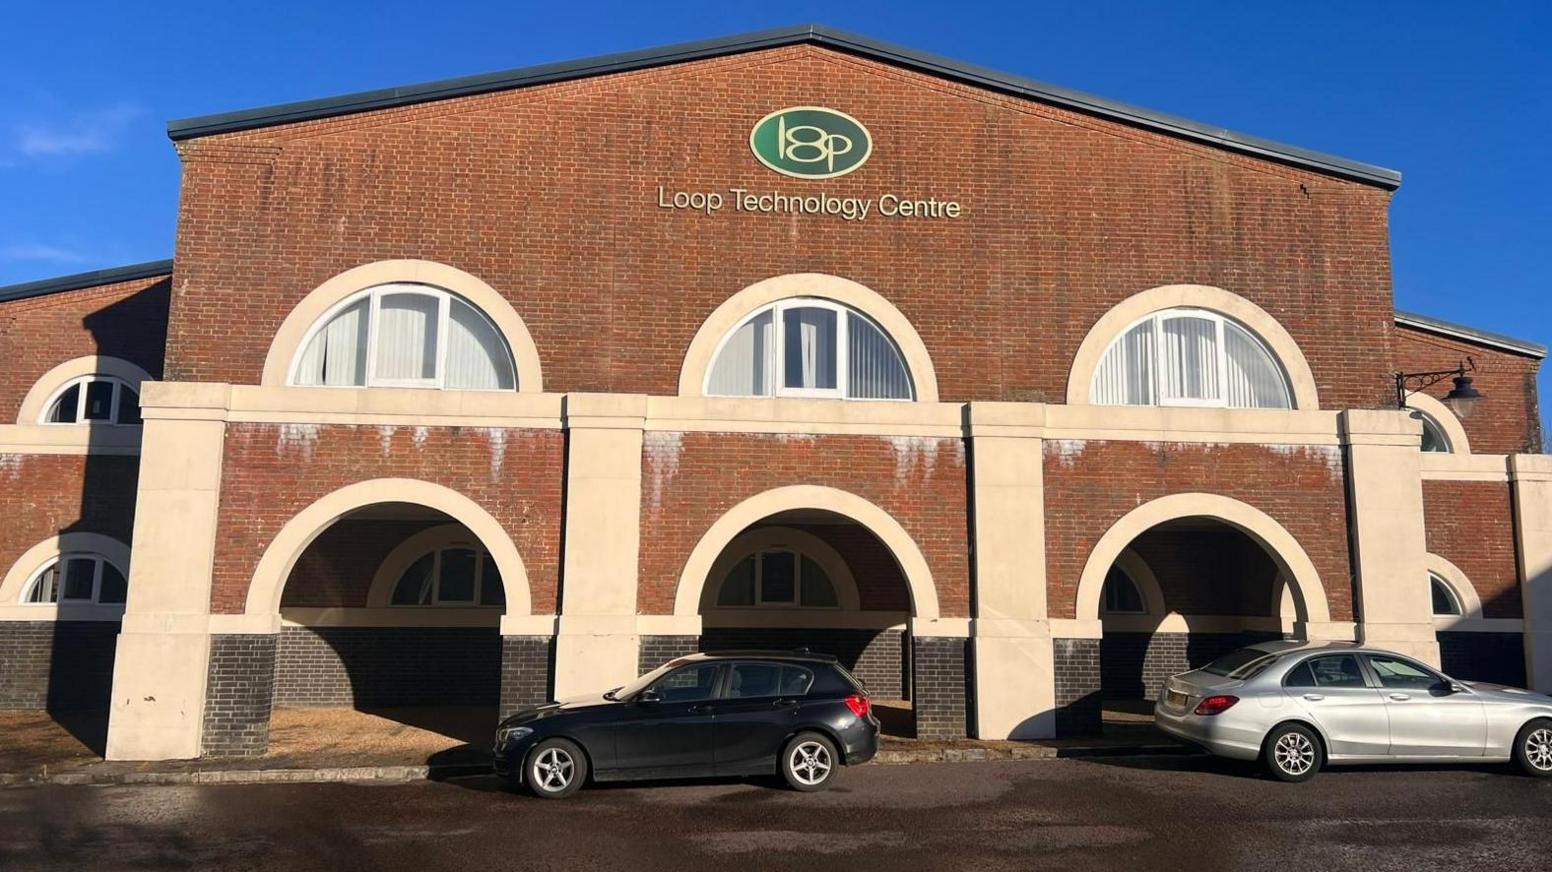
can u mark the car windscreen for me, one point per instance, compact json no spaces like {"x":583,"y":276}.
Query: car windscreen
{"x":645,"y":681}
{"x":1241,"y":664}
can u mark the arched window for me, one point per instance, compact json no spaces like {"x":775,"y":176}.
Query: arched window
{"x":807,"y":347}
{"x":458,"y":575}
{"x":777,"y":577}
{"x":407,"y":336}
{"x":94,"y":399}
{"x":1190,"y":357}
{"x":1434,"y":439}
{"x":76,"y":577}
{"x":1444,"y":600}
{"x":1121,"y":596}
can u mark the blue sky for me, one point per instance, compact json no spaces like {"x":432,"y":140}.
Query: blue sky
{"x":1455,"y":96}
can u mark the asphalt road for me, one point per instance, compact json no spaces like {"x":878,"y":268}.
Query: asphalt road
{"x":1152,"y":814}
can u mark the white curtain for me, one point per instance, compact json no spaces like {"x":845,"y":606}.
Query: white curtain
{"x":1125,"y":374}
{"x":743,"y":367}
{"x":336,"y":355}
{"x":810,"y":347}
{"x":1189,"y":368}
{"x":874,"y":369}
{"x":1255,"y":380}
{"x":407,"y":337}
{"x":477,"y":358}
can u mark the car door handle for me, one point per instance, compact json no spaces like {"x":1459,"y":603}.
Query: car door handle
{"x":699,"y":709}
{"x":1314,"y":697}
{"x":1401,"y":697}
{"x":784,"y":703}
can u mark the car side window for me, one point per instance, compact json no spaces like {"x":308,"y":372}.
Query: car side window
{"x":1400,"y":674}
{"x":1337,"y":670}
{"x":1300,"y":676}
{"x":690,"y":684}
{"x":754,"y":680}
{"x":795,"y":680}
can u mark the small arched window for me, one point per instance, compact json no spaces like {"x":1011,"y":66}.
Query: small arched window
{"x":777,"y":577}
{"x":1121,"y":596}
{"x":458,"y":575}
{"x":1445,"y":603}
{"x":806,"y":347}
{"x":408,"y":336}
{"x":94,"y":399}
{"x":76,"y":577}
{"x":1190,"y":357}
{"x":1434,"y":440}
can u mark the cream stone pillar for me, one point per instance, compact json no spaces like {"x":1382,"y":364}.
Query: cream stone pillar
{"x":1385,"y":494}
{"x":597,"y":646}
{"x":1530,"y":477}
{"x":163,"y":654}
{"x":1015,"y":694}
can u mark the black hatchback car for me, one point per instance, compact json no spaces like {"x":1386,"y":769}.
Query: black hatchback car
{"x":740,"y":713}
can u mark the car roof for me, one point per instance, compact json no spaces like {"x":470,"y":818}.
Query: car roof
{"x":800,"y":655}
{"x":1287,"y":646}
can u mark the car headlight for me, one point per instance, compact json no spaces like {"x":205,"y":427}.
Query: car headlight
{"x":508,"y":735}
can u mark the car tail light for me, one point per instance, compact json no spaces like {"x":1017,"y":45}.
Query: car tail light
{"x":859,"y":705}
{"x":1213,"y":705}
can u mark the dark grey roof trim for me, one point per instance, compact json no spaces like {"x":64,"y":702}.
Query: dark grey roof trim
{"x":307,"y":110}
{"x":1470,"y":334}
{"x":86,"y":280}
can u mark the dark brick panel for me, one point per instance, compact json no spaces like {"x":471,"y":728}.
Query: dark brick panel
{"x":239,"y":695}
{"x":57,"y":665}
{"x":941,"y":686}
{"x":526,"y":669}
{"x":1134,"y":665}
{"x":1494,"y":657}
{"x":1077,"y":673}
{"x":877,"y":657}
{"x":386,"y":666}
{"x":657,"y":650}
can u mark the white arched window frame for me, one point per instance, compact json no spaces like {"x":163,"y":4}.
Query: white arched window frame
{"x":1122,"y":595}
{"x":405,"y":335}
{"x":1190,"y":357}
{"x":93,"y":399}
{"x":1446,"y":601}
{"x":426,"y":581}
{"x":76,"y":577}
{"x":803,"y":583}
{"x":1435,"y":439}
{"x":809,"y":347}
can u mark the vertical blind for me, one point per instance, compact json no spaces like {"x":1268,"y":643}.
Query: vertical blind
{"x":1174,"y":358}
{"x":817,"y":344}
{"x":810,"y":348}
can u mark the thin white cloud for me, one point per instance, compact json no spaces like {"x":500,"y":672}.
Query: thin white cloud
{"x":38,"y":251}
{"x":91,"y":132}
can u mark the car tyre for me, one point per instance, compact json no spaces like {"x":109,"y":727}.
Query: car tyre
{"x":1533,"y":748}
{"x":555,"y":769}
{"x":809,"y":762}
{"x":1292,"y":753}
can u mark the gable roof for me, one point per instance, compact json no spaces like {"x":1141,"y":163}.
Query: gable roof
{"x":76,"y":282}
{"x":811,"y":34}
{"x":1469,"y":334}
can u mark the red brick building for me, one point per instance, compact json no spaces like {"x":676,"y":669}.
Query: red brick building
{"x":503,"y":388}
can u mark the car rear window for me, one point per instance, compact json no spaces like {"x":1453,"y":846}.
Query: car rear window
{"x":768,"y":679}
{"x":1241,"y":664}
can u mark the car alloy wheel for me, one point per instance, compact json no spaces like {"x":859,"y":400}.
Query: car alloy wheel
{"x":808,"y":762}
{"x":556,"y":769}
{"x":1538,"y":749}
{"x":1294,"y":753}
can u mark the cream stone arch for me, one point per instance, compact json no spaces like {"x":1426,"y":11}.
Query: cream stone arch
{"x":47,"y":387}
{"x":269,"y":578}
{"x":847,"y":597}
{"x":380,"y":594}
{"x":708,"y":339}
{"x":1285,"y":551}
{"x":698,"y":569}
{"x":1141,"y":574}
{"x":1441,"y":415}
{"x":13,"y":585}
{"x":287,"y":342}
{"x":1301,"y":380}
{"x":1465,"y":592}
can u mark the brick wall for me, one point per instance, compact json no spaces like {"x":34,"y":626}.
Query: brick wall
{"x":549,"y":194}
{"x":57,"y":665}
{"x":689,"y":480}
{"x":274,"y":471}
{"x":657,"y":650}
{"x":1135,"y":665}
{"x":877,"y":657}
{"x":239,"y":695}
{"x":1509,"y":422}
{"x":1091,"y":485}
{"x":127,"y":320}
{"x":1493,"y":657}
{"x":1075,"y":668}
{"x":388,"y":666}
{"x":940,"y":686}
{"x":527,"y":666}
{"x":44,"y":495}
{"x":1471,"y":524}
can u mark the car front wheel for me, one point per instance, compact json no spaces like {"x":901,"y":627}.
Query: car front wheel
{"x":1533,"y":748}
{"x":556,"y":769}
{"x":808,"y":762}
{"x":1292,"y":753}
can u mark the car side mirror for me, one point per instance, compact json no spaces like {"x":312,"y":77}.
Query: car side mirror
{"x":647,"y":696}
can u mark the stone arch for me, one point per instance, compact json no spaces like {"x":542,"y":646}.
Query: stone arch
{"x":43,"y":391}
{"x":722,"y":533}
{"x":1291,"y":559}
{"x":1142,"y":575}
{"x":289,"y":338}
{"x":1459,"y":584}
{"x":33,"y":559}
{"x":708,"y":339}
{"x":270,"y":576}
{"x":1460,"y":443}
{"x":1301,"y":380}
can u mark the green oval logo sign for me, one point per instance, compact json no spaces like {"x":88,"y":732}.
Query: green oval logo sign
{"x":811,"y":142}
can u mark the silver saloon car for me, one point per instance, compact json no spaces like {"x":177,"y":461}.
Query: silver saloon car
{"x":1297,"y":706}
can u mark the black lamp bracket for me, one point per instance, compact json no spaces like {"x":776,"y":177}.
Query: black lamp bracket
{"x":1408,"y":383}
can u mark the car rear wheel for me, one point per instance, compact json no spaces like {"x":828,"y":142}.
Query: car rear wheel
{"x":808,"y":762}
{"x":555,"y":769}
{"x":1292,"y":753}
{"x":1533,"y":748}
